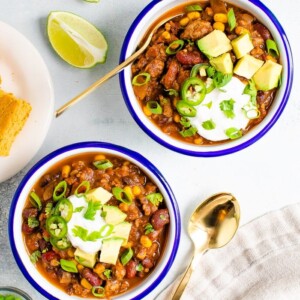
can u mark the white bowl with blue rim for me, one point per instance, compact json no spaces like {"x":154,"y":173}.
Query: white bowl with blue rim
{"x":140,"y":27}
{"x":18,"y":247}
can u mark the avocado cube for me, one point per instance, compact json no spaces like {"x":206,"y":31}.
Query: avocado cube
{"x":110,"y":250}
{"x":222,"y":63}
{"x":267,"y":77}
{"x":84,"y":258}
{"x":98,"y":194}
{"x":242,"y":45}
{"x":247,"y":66}
{"x":214,"y":44}
{"x":113,"y":215}
{"x":122,"y":230}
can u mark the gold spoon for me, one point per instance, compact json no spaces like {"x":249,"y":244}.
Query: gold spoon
{"x":212,"y":225}
{"x":116,"y":70}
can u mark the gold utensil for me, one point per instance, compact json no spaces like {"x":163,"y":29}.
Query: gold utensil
{"x":117,"y":69}
{"x":212,"y":225}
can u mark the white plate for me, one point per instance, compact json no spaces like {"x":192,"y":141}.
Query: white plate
{"x":24,"y":73}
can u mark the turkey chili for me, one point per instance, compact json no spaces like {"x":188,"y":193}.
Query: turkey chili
{"x":95,"y":225}
{"x":209,"y":75}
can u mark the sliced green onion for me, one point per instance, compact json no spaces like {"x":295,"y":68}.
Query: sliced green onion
{"x":209,"y":124}
{"x":35,"y":200}
{"x":141,"y":79}
{"x":83,"y":188}
{"x":106,"y":230}
{"x":174,"y":47}
{"x":196,"y":69}
{"x":139,"y":267}
{"x":126,"y":256}
{"x":188,"y":132}
{"x":195,"y":7}
{"x":60,"y":191}
{"x":121,"y":195}
{"x":231,"y":19}
{"x":68,"y":266}
{"x":252,"y":113}
{"x":233,"y":133}
{"x":154,"y":107}
{"x":103,"y":164}
{"x":185,"y":122}
{"x":272,"y":47}
{"x":155,"y":198}
{"x":98,"y":291}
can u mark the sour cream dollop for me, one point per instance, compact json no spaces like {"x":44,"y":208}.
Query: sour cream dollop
{"x":209,"y":111}
{"x":78,"y":219}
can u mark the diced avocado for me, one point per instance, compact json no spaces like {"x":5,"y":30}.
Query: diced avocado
{"x":247,"y":66}
{"x":84,"y":258}
{"x":214,"y":44}
{"x":267,"y":77}
{"x":113,"y":215}
{"x":222,"y":63}
{"x":110,"y":250}
{"x":242,"y":45}
{"x":98,"y":194}
{"x":122,"y":230}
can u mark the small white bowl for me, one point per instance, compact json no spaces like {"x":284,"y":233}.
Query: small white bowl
{"x":15,"y":219}
{"x":140,"y":27}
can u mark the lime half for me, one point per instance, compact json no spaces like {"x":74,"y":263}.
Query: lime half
{"x":75,"y":40}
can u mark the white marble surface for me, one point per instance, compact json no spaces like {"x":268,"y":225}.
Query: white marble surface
{"x":263,"y":177}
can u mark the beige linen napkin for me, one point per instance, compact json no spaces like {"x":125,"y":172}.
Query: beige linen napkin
{"x":261,"y":262}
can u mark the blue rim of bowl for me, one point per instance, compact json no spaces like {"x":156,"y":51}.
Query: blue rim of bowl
{"x":227,"y":151}
{"x":102,"y":146}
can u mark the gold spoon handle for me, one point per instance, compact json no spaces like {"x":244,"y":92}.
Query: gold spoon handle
{"x":183,"y":282}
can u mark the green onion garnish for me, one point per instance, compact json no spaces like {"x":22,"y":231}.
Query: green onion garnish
{"x":188,"y":132}
{"x":121,"y":195}
{"x":174,"y":47}
{"x":106,"y":230}
{"x":103,"y":164}
{"x":233,"y":133}
{"x":35,"y":200}
{"x":141,"y":79}
{"x":231,"y":19}
{"x":195,"y":7}
{"x":98,"y":291}
{"x":154,"y":107}
{"x":83,"y":188}
{"x":272,"y":47}
{"x":126,"y":256}
{"x":60,"y":191}
{"x":68,"y":266}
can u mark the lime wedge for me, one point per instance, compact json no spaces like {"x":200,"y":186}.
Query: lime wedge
{"x":75,"y":40}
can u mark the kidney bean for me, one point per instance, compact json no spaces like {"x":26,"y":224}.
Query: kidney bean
{"x":189,"y":57}
{"x":31,"y":212}
{"x":91,"y":277}
{"x":49,"y":255}
{"x":160,"y":218}
{"x":131,"y":269}
{"x":262,"y":30}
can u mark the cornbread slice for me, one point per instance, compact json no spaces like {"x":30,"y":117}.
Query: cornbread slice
{"x":13,"y":115}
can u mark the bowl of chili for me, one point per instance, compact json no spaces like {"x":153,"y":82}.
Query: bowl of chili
{"x":214,"y":79}
{"x":94,"y":220}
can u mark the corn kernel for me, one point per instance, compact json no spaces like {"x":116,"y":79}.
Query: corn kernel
{"x":166,"y":35}
{"x":99,"y":157}
{"x":86,"y":284}
{"x":239,"y":30}
{"x":219,"y":26}
{"x":127,"y":245}
{"x":136,"y":190}
{"x":220,"y":18}
{"x":80,"y":267}
{"x":184,"y":21}
{"x":209,"y":11}
{"x":123,"y":207}
{"x":198,"y":141}
{"x":128,"y":190}
{"x":99,"y":269}
{"x":147,"y":111}
{"x":193,"y":15}
{"x":168,"y":26}
{"x":145,"y":241}
{"x":65,"y":171}
{"x":270,"y":57}
{"x":177,"y":118}
{"x":70,"y":252}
